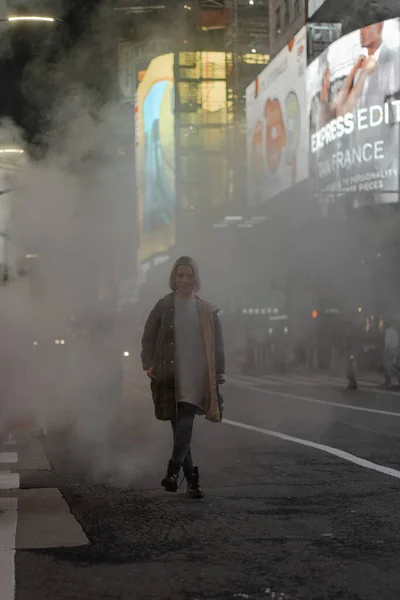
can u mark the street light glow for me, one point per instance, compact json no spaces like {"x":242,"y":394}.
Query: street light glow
{"x":11,"y":151}
{"x":31,"y":18}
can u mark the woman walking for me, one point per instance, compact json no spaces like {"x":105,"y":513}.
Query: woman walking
{"x":183,"y":354}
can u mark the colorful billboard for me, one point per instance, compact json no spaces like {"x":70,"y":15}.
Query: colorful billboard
{"x":277,"y":132}
{"x":354,"y":113}
{"x":155,"y":158}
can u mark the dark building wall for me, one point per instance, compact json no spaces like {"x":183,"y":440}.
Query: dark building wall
{"x":282,"y":28}
{"x":356,"y":14}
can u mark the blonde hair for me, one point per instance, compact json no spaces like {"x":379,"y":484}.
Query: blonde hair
{"x":185,"y":261}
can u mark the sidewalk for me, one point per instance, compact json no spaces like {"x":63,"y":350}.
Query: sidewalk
{"x":28,"y":490}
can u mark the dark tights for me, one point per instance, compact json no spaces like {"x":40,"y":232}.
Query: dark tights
{"x":182,"y":429}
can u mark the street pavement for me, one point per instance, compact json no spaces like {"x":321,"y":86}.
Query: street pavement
{"x":301,"y":484}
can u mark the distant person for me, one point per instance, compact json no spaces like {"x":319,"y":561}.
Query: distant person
{"x":183,"y":354}
{"x":391,"y":353}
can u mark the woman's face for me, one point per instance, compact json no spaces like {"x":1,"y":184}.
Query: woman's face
{"x":184,"y":280}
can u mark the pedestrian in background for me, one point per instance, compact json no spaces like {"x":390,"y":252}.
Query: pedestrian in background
{"x":391,"y":353}
{"x":183,"y":354}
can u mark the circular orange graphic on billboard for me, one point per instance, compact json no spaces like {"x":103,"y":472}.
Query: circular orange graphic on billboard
{"x":275,"y":134}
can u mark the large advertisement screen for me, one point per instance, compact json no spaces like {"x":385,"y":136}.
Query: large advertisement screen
{"x":277,"y":132}
{"x":155,"y":158}
{"x":354,"y":113}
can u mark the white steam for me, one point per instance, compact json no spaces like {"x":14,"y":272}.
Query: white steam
{"x":62,"y":356}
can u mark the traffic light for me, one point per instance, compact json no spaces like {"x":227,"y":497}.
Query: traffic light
{"x":314,"y":314}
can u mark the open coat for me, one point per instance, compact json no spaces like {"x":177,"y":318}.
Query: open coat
{"x":158,"y":351}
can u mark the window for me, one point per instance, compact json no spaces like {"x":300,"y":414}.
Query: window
{"x":278,"y":20}
{"x":287,"y":13}
{"x":296,"y":8}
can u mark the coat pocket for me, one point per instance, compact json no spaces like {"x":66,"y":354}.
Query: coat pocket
{"x":155,"y":391}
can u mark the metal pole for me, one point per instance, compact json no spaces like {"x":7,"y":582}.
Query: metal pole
{"x":235,"y":93}
{"x":179,"y":225}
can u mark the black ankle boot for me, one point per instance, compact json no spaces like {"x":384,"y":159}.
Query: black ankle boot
{"x":170,"y":481}
{"x":193,"y":487}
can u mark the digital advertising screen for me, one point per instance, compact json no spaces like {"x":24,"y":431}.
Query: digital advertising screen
{"x":155,"y":158}
{"x":277,"y":127}
{"x":354,"y":114}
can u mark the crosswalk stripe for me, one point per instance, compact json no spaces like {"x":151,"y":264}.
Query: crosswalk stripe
{"x":8,"y":526}
{"x":8,"y":480}
{"x":8,"y":457}
{"x":45,"y":521}
{"x":8,"y":532}
{"x":42,"y":516}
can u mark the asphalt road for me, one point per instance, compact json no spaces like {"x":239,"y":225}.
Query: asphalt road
{"x":302,"y":488}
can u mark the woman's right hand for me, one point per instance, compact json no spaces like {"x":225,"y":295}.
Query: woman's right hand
{"x":150,"y":373}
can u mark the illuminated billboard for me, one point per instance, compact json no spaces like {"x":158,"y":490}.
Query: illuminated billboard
{"x":277,"y":132}
{"x":181,"y":134}
{"x":354,"y":114}
{"x":155,"y":158}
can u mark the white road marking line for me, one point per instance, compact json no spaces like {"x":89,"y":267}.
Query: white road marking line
{"x":251,"y":380}
{"x":361,"y":462}
{"x":8,"y":533}
{"x":325,"y":402}
{"x":320,"y":381}
{"x":8,"y":457}
{"x":292,"y":380}
{"x":304,"y":398}
{"x":9,"y":481}
{"x":288,"y":379}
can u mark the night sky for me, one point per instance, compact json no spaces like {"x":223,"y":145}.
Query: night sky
{"x":21,"y":46}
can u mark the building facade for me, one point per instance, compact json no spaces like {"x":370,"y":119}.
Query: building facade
{"x":286,"y":17}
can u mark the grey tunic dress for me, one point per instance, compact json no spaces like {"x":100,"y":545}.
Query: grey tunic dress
{"x":190,"y":359}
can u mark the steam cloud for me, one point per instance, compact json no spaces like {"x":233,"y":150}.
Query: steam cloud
{"x":65,"y":210}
